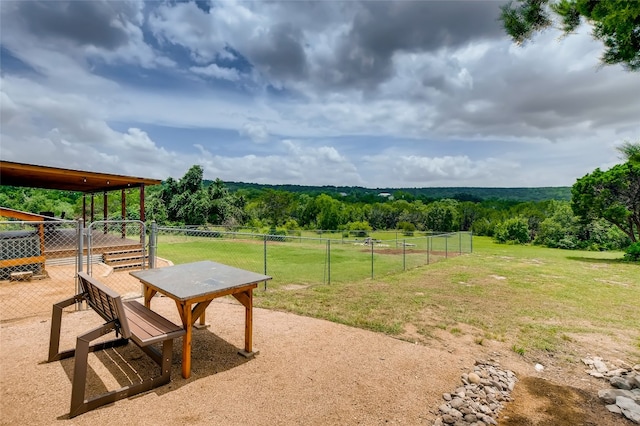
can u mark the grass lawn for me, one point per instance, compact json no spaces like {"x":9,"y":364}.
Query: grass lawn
{"x":532,"y":298}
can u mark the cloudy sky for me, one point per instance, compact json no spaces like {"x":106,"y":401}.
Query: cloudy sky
{"x":367,"y":93}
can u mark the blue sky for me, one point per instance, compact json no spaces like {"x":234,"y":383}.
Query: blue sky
{"x":367,"y":93}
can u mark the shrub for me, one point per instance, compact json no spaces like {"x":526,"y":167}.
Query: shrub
{"x":275,"y":234}
{"x":407,"y":228}
{"x":568,"y":243}
{"x":633,"y":252}
{"x":359,"y":229}
{"x":515,"y":230}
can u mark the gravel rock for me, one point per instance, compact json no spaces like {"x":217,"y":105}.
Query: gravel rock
{"x":620,"y":383}
{"x":479,"y":401}
{"x":625,"y":399}
{"x":630,"y":408}
{"x":609,"y":395}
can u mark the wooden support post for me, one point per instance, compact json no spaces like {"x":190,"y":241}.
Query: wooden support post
{"x":84,"y":208}
{"x":123,"y":210}
{"x":92,"y":208}
{"x":105,"y":212}
{"x":142,"y":218}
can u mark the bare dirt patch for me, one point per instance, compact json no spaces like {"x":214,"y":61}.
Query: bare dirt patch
{"x":399,"y":251}
{"x":540,"y":402}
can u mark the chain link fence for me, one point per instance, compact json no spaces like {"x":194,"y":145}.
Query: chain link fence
{"x":113,"y":249}
{"x":300,"y":260}
{"x":38,"y":265}
{"x":39,"y":261}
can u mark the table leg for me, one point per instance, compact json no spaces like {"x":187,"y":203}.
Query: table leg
{"x":148,"y":295}
{"x":246,"y":298}
{"x":199,"y":312}
{"x":187,"y":322}
{"x":248,"y":324}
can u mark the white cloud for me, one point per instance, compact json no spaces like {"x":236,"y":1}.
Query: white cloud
{"x":255,"y":131}
{"x":477,"y":112}
{"x":217,"y":72}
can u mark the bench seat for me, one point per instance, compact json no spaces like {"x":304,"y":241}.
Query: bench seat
{"x":148,"y":327}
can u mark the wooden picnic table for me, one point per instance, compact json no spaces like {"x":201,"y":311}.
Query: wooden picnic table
{"x":193,"y":286}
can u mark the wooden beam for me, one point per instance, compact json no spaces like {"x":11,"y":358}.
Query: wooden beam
{"x":8,"y":263}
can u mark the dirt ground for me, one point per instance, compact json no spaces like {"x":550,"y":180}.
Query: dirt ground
{"x":308,"y":371}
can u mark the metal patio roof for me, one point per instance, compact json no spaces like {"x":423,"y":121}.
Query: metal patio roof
{"x":33,"y":176}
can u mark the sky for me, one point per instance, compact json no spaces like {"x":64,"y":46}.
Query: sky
{"x":376,"y":94}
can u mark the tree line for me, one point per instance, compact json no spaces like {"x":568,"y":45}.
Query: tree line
{"x":603,"y":213}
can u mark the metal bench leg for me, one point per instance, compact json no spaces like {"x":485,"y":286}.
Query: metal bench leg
{"x":165,"y":366}
{"x":56,"y":323}
{"x":81,"y":405}
{"x":78,"y":403}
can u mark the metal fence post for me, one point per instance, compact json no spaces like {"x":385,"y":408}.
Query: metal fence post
{"x":80,"y":241}
{"x":265,"y":260}
{"x":460,"y":242}
{"x":428,"y":248}
{"x":404,"y":253}
{"x":371,"y":258}
{"x":88,"y":232}
{"x":328,"y":261}
{"x":446,"y":246}
{"x":153,"y":243}
{"x":80,"y":266}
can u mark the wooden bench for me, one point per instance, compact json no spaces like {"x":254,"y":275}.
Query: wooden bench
{"x":131,"y":321}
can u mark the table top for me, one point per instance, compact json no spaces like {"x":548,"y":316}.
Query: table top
{"x":190,"y":280}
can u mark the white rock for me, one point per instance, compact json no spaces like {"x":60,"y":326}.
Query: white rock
{"x":630,"y":409}
{"x":609,"y":395}
{"x":474,"y":378}
{"x":616,"y":372}
{"x":588,"y":362}
{"x":539,"y":368}
{"x":600,"y":366}
{"x":614,"y":408}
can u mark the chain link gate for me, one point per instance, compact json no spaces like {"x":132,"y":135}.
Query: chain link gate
{"x":114,"y":248}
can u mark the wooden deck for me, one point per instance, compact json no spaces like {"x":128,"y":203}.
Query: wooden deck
{"x":62,"y":243}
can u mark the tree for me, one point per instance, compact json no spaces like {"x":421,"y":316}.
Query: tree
{"x":560,"y":228}
{"x":328,"y":217}
{"x":613,"y":195}
{"x":276,"y":206}
{"x":615,"y":22}
{"x":630,"y":151}
{"x":186,"y":200}
{"x":443,"y":216}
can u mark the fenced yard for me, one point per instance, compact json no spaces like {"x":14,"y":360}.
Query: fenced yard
{"x":109,"y":248}
{"x":306,"y":260}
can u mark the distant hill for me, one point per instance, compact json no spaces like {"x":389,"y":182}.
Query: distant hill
{"x":461,"y":193}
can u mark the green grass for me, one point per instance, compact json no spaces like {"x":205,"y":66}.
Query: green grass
{"x":295,"y":261}
{"x":532,"y":298}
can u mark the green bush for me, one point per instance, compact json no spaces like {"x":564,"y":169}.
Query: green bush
{"x":407,"y":228}
{"x":359,"y":228}
{"x":514,"y":230}
{"x":633,"y":252}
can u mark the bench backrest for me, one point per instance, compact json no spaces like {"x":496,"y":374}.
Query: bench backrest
{"x":106,"y":302}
